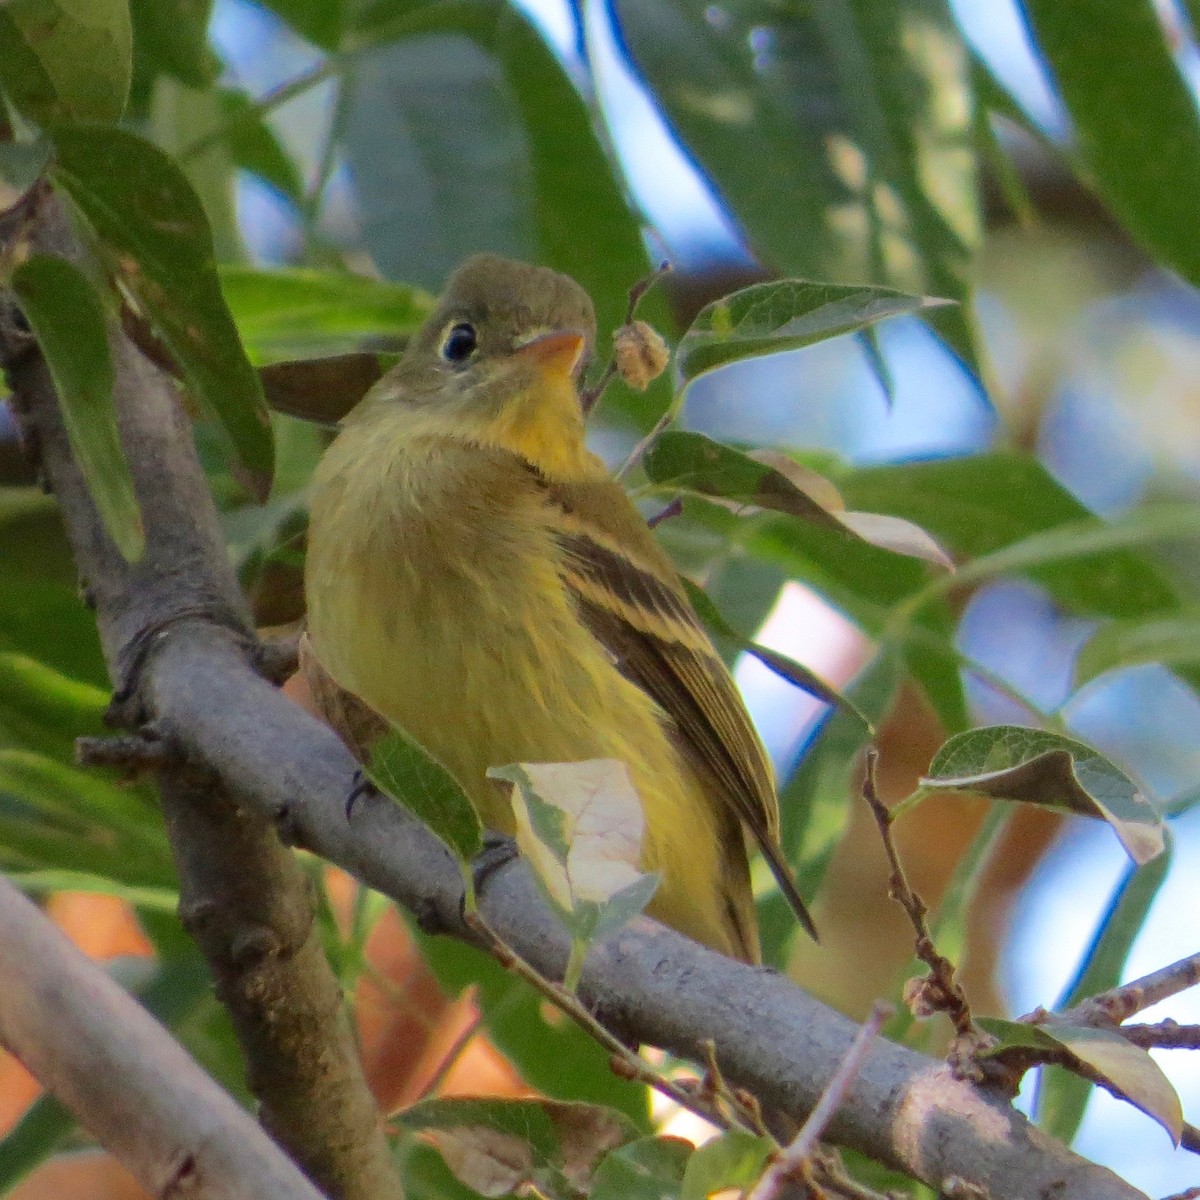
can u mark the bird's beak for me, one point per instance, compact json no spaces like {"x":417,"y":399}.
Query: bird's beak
{"x":554,"y":353}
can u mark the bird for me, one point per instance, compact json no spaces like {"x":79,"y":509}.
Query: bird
{"x":478,"y":581}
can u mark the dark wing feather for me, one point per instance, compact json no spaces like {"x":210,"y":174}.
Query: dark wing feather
{"x":627,"y":594}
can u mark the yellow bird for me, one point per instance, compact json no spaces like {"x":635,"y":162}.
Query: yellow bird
{"x":476,"y":578}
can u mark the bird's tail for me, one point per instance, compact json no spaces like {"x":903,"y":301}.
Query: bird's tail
{"x":787,"y":885}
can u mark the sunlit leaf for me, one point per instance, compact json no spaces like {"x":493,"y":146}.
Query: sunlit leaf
{"x":785,"y":315}
{"x":1129,"y":1068}
{"x":859,"y":117}
{"x":580,"y":826}
{"x":66,"y":60}
{"x":1031,"y":766}
{"x":71,"y":327}
{"x":156,"y":238}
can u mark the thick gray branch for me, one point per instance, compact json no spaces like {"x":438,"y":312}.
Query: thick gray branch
{"x":647,"y":982}
{"x":119,"y":1071}
{"x":243,"y":894}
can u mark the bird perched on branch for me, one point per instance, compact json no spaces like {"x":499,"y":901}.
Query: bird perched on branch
{"x":476,"y":578}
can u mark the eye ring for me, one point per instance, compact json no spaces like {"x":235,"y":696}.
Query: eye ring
{"x":460,"y":343}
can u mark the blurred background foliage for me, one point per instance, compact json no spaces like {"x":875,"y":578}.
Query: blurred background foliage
{"x":1036,"y":164}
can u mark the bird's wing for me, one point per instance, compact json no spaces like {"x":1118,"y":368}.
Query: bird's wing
{"x":629,"y":596}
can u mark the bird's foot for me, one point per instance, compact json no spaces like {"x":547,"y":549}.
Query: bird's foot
{"x":360,"y":787}
{"x":498,"y":850}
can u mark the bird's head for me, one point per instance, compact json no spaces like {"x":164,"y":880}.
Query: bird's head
{"x":503,"y":349}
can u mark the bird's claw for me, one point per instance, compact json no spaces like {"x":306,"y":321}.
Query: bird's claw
{"x":362,"y":786}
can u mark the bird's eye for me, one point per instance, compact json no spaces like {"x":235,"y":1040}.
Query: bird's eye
{"x":460,"y":343}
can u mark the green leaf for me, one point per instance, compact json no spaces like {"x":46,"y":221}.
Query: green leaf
{"x":406,"y":773}
{"x":320,"y":21}
{"x":863,"y":111}
{"x":45,"y":711}
{"x":1128,"y":1068}
{"x":66,"y":60}
{"x":254,"y":146}
{"x":155,"y":237}
{"x":1061,"y":1097}
{"x":787,"y":668}
{"x":934,"y":660}
{"x":1085,"y":539}
{"x":71,"y":327}
{"x":735,"y":1159}
{"x":816,"y":803}
{"x":40,"y":1131}
{"x":789,"y":314}
{"x":294,"y":311}
{"x":649,"y":1169}
{"x":170,"y":37}
{"x":683,"y":460}
{"x":1171,"y":640}
{"x":551,"y":1052}
{"x":93,"y":810}
{"x":1031,"y":766}
{"x":498,"y":1145}
{"x":489,"y":147}
{"x":158,"y":899}
{"x":978,"y":505}
{"x":1137,"y":130}
{"x":766,"y":479}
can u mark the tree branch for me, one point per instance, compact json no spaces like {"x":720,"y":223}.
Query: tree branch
{"x":244,"y":896}
{"x":123,"y":1075}
{"x":646,"y":982}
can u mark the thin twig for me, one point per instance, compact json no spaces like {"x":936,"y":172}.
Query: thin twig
{"x":672,"y":510}
{"x":791,"y":1163}
{"x":590,"y":397}
{"x":1165,"y":1035}
{"x":133,"y":753}
{"x":1120,"y":1003}
{"x":634,"y":1065}
{"x":940,"y":990}
{"x":1189,"y":1138}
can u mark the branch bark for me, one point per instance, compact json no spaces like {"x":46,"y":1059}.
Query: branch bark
{"x":646,"y":982}
{"x":244,"y":896}
{"x":118,"y":1070}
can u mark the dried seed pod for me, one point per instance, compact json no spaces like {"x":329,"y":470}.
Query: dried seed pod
{"x":641,"y":354}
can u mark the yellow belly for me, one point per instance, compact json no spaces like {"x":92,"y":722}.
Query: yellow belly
{"x":455,"y":626}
